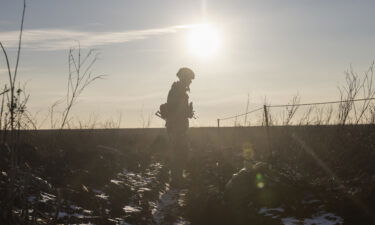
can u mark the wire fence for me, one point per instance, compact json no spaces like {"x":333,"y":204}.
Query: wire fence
{"x":347,"y":111}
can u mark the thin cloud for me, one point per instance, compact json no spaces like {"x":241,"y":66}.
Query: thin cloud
{"x":3,"y":71}
{"x":5,"y":22}
{"x":123,"y":99}
{"x":59,"y":39}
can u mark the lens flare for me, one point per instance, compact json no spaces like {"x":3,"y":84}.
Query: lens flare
{"x":260,"y":185}
{"x":259,"y":181}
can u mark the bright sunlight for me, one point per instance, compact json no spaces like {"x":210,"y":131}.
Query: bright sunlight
{"x":204,"y":41}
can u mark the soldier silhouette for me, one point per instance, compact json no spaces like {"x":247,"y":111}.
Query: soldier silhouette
{"x":179,"y":110}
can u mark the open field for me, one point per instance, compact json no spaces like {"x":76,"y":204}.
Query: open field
{"x":120,"y":176}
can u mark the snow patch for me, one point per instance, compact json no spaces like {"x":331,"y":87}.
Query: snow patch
{"x":117,"y":182}
{"x":324,"y":218}
{"x":132,"y":209}
{"x":102,"y":196}
{"x":290,"y":221}
{"x":270,"y":211}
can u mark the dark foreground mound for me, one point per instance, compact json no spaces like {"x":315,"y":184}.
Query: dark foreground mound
{"x":309,"y":176}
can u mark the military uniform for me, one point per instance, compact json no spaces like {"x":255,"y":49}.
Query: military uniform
{"x":177,"y":123}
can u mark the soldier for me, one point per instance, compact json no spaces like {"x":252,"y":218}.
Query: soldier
{"x":177,"y":122}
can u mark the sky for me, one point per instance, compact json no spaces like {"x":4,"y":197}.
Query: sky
{"x":265,"y":49}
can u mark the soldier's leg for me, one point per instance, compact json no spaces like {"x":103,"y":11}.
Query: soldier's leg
{"x":175,"y":167}
{"x":184,"y":150}
{"x":180,"y":158}
{"x":173,"y":158}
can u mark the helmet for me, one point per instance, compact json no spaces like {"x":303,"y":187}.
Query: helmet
{"x":185,"y":72}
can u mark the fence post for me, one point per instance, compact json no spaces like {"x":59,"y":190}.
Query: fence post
{"x":265,"y":114}
{"x":219,"y":140}
{"x":269,"y":156}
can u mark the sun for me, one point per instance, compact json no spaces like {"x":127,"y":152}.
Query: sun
{"x":204,"y":41}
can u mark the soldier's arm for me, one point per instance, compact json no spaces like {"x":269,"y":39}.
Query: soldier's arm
{"x":173,"y":99}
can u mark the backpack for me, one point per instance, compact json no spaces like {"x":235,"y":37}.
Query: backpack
{"x":163,"y":111}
